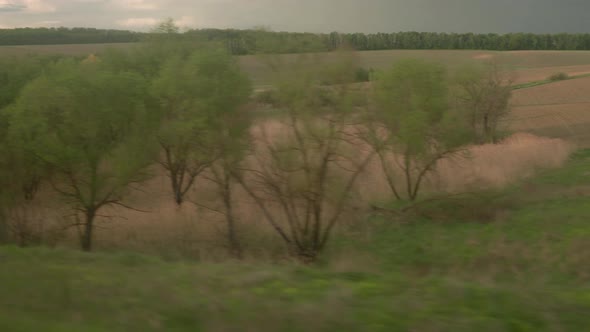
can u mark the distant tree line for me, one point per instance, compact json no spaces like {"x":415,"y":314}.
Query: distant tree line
{"x":49,"y":36}
{"x":241,"y":42}
{"x":256,"y":41}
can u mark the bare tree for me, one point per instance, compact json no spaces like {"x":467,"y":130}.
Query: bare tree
{"x":485,"y":93}
{"x":302,"y":175}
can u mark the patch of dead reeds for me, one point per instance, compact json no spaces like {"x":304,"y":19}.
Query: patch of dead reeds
{"x":198,"y":232}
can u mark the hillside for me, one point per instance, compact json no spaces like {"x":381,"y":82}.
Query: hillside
{"x":517,"y":260}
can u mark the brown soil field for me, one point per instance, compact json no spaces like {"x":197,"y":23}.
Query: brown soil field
{"x":563,"y":92}
{"x":527,"y":118}
{"x":560,"y":109}
{"x":543,"y":59}
{"x":539,"y":74}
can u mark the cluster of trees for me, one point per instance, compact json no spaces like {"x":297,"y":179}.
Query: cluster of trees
{"x":51,"y":36}
{"x":460,"y":41}
{"x":90,"y":130}
{"x":256,"y":41}
{"x":241,"y":42}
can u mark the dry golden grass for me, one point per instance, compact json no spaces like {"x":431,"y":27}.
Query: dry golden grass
{"x":193,"y":231}
{"x":497,"y":165}
{"x":198,"y":233}
{"x":480,"y":167}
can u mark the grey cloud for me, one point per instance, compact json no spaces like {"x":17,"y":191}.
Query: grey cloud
{"x":11,"y":7}
{"x":502,"y":16}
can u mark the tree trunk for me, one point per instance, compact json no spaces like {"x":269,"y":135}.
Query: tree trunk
{"x":176,"y":187}
{"x":86,"y":239}
{"x":234,"y":242}
{"x":178,"y":197}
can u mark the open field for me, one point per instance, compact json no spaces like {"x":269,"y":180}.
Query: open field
{"x":575,"y":91}
{"x":499,"y":239}
{"x":70,"y":49}
{"x":514,"y":260}
{"x":560,"y":109}
{"x":540,"y":74}
{"x":526,"y":66}
{"x":529,"y":65}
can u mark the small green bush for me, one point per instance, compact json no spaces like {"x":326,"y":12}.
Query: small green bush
{"x":559,"y":77}
{"x":362,"y":75}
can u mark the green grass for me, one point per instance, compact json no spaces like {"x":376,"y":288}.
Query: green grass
{"x":516,"y":260}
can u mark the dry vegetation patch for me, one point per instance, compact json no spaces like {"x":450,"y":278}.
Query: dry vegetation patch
{"x":197,"y":231}
{"x":479,"y":167}
{"x":497,"y":165}
{"x":160,"y":227}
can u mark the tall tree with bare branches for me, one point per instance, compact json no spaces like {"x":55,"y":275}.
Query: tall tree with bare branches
{"x":306,"y":161}
{"x":485,"y":93}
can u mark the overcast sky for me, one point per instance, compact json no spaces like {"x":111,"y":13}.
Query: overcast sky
{"x":500,"y":16}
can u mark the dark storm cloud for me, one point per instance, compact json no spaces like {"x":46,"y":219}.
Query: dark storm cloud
{"x":310,"y":15}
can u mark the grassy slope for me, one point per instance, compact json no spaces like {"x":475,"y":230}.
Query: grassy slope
{"x":528,"y":270}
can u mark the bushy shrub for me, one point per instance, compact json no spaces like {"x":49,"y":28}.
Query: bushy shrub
{"x":363,"y":74}
{"x":558,"y":77}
